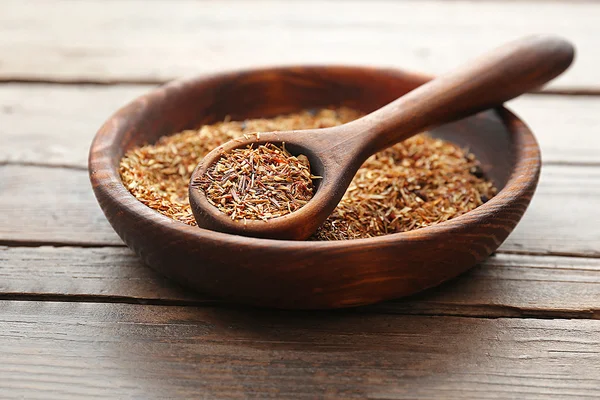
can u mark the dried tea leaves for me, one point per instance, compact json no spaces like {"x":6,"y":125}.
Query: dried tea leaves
{"x":257,"y":182}
{"x":158,"y":174}
{"x":419,"y":182}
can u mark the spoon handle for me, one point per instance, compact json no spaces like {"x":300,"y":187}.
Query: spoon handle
{"x":487,"y":81}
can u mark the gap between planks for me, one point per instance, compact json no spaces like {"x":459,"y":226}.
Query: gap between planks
{"x":86,"y":245}
{"x":25,"y":81}
{"x":478,"y":312}
{"x":82,"y":245}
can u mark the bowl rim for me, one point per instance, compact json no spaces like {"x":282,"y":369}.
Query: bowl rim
{"x":106,"y":179}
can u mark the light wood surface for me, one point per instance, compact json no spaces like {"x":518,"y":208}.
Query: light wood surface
{"x":80,"y":316}
{"x":117,"y":350}
{"x":156,"y":41}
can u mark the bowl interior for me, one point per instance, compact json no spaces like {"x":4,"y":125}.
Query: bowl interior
{"x":267,"y":93}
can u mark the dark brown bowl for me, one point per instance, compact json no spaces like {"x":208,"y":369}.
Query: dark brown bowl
{"x":291,"y":274}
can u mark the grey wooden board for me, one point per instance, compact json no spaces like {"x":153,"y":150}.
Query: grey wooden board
{"x":562,"y":217}
{"x":104,"y":274}
{"x":51,"y":205}
{"x":136,"y":40}
{"x":57,"y":206}
{"x":505,"y":285}
{"x":54,"y":125}
{"x":565,"y":126}
{"x":75,"y":350}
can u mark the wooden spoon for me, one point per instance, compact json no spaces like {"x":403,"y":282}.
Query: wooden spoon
{"x":336,"y":153}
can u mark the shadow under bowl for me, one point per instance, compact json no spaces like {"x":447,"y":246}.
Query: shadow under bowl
{"x":309,"y":274}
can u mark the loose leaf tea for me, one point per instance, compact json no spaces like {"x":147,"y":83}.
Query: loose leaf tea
{"x":257,"y":182}
{"x":419,"y":182}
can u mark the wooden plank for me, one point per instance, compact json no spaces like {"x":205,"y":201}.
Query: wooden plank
{"x":57,"y":206}
{"x":137,"y":41}
{"x":51,"y":205}
{"x":54,"y":125}
{"x":105,"y":273}
{"x":67,"y":351}
{"x":565,"y":126}
{"x":514,"y":285}
{"x":505,"y":285}
{"x":562,"y":217}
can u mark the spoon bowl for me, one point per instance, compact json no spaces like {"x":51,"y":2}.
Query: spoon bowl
{"x":327,"y":187}
{"x":337,"y":153}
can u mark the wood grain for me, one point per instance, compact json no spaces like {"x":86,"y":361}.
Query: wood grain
{"x":562,"y":218}
{"x":514,"y":285}
{"x":139,"y":41}
{"x":51,"y":205}
{"x":54,"y":125}
{"x":104,"y":273}
{"x":506,"y":285}
{"x":565,"y":126}
{"x":67,"y":351}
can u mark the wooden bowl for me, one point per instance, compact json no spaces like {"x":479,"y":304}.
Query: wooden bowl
{"x":309,"y":275}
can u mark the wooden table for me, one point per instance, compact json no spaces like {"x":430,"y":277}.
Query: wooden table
{"x":81,"y":317}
